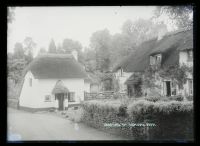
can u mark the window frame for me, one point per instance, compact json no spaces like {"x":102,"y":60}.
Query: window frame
{"x":173,"y":88}
{"x":190,"y":88}
{"x":121,"y":72}
{"x":189,"y":55}
{"x":154,"y":59}
{"x":69,"y":97}
{"x":49,"y":98}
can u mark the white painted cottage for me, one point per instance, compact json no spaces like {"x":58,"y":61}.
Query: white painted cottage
{"x":52,"y":81}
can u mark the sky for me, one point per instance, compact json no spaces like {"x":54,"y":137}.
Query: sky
{"x":77,"y":23}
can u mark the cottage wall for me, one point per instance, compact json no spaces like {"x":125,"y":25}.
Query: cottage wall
{"x":87,"y":87}
{"x":122,"y":79}
{"x":34,"y":96}
{"x":183,"y":59}
{"x":94,"y":88}
{"x":28,"y":95}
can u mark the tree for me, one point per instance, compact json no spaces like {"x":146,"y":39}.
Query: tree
{"x":11,"y":14}
{"x":29,"y":45}
{"x":52,"y":47}
{"x":69,"y":45}
{"x":18,"y":51}
{"x":60,"y":49}
{"x":133,"y":34}
{"x":100,"y":42}
{"x":89,"y":60}
{"x":142,"y":30}
{"x":181,"y":16}
{"x":42,"y":51}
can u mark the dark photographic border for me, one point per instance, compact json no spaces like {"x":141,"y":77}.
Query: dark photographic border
{"x":3,"y":106}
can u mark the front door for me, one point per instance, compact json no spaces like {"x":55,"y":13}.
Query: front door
{"x":61,"y":101}
{"x":168,"y":88}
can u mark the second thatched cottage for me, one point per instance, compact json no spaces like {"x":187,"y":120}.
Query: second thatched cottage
{"x":53,"y":81}
{"x":172,"y":49}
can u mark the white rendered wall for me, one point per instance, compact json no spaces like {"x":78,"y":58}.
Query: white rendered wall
{"x":122,"y":79}
{"x":35,"y":96}
{"x":87,"y":87}
{"x":183,"y":59}
{"x":28,"y":95}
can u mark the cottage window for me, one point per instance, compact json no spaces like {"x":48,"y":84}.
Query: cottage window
{"x":173,"y":88}
{"x":152,"y":60}
{"x":71,"y":96}
{"x":190,"y":85}
{"x":155,"y":60}
{"x":30,"y":82}
{"x":190,"y":55}
{"x":121,"y":72}
{"x":158,"y":59}
{"x":47,"y":98}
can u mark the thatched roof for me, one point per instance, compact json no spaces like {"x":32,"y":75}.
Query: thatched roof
{"x":56,"y":66}
{"x":169,"y":46}
{"x":59,"y":88}
{"x":133,"y":79}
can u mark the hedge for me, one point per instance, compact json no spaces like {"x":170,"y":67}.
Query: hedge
{"x":171,"y":120}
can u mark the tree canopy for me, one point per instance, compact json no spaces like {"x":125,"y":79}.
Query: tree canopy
{"x":181,"y":16}
{"x":52,"y":47}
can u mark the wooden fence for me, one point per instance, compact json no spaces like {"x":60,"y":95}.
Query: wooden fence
{"x":100,"y":95}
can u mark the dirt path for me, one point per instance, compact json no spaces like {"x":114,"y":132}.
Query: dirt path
{"x":40,"y":126}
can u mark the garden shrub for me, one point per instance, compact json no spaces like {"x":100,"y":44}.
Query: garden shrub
{"x":173,"y":119}
{"x":176,"y":98}
{"x":156,"y":98}
{"x":189,"y":98}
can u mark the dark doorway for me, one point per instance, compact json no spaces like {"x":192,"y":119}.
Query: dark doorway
{"x":168,"y":88}
{"x":60,"y":98}
{"x":130,"y":90}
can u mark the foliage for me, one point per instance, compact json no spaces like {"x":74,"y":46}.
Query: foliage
{"x":68,"y":45}
{"x":176,"y":98}
{"x":42,"y":50}
{"x":11,"y":14}
{"x":189,"y":98}
{"x":100,"y":42}
{"x":176,"y":73}
{"x":17,"y":61}
{"x":156,"y":98}
{"x":138,"y":86}
{"x":15,"y":69}
{"x":179,"y":15}
{"x":149,"y":78}
{"x":29,"y":46}
{"x":99,"y":112}
{"x":144,"y":106}
{"x":18,"y":51}
{"x":52,"y":47}
{"x":133,"y":34}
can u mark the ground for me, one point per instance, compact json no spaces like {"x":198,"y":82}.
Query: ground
{"x":42,"y":126}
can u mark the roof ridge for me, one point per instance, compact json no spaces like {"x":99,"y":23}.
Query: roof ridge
{"x":54,"y":55}
{"x":178,"y":31}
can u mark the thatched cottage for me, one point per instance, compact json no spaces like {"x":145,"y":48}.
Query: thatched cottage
{"x":171,"y":49}
{"x":53,"y":81}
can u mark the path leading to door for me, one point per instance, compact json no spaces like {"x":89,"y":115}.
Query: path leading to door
{"x":41,"y":126}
